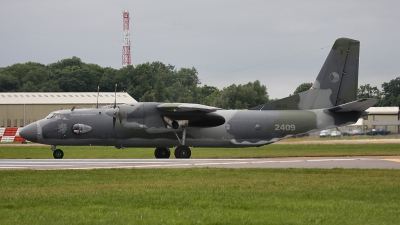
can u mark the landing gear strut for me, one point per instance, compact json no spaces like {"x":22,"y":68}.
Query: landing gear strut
{"x":162,"y":153}
{"x":57,"y":153}
{"x":182,"y":151}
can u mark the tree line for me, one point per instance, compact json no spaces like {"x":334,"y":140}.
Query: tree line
{"x":155,"y":82}
{"x":151,"y":82}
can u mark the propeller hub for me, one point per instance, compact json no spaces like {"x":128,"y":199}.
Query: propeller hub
{"x":112,"y":112}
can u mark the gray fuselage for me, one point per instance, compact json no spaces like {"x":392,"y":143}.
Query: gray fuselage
{"x":145,"y":126}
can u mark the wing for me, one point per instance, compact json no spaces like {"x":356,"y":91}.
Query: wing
{"x":186,"y":107}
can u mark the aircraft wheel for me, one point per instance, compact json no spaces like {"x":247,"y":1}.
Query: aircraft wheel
{"x":162,"y":153}
{"x":58,"y":154}
{"x":182,"y":152}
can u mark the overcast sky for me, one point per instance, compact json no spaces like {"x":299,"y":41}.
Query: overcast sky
{"x":281,"y":43}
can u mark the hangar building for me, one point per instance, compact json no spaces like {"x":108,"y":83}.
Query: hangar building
{"x":386,"y":118}
{"x":18,"y":109}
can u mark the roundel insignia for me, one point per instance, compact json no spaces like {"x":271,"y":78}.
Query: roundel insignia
{"x":334,"y":77}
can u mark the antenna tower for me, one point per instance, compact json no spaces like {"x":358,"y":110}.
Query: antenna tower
{"x":126,"y":42}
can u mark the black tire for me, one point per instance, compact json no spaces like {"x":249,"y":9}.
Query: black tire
{"x":58,"y":154}
{"x":162,"y":153}
{"x":182,"y":152}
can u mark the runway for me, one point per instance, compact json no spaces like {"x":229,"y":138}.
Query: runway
{"x":382,"y":162}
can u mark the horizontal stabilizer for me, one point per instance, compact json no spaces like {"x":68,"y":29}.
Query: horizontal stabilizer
{"x":358,"y":105}
{"x":186,"y":107}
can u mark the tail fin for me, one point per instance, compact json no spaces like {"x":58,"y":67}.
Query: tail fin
{"x":336,"y":83}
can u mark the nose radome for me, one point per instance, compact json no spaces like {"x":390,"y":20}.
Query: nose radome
{"x":29,"y":132}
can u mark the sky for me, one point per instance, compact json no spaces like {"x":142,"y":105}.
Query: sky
{"x":280,"y":43}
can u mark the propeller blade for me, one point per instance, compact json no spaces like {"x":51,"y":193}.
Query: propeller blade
{"x":114,"y":123}
{"x":115,"y":95}
{"x":114,"y":112}
{"x":98,"y":93}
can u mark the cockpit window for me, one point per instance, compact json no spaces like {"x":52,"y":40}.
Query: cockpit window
{"x":58,"y":116}
{"x":51,"y":115}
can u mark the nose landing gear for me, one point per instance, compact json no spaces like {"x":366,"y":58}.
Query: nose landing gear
{"x":57,"y":153}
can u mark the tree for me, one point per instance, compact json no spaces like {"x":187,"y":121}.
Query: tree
{"x":391,"y":88}
{"x":303,"y":87}
{"x":146,"y":82}
{"x":64,"y":63}
{"x":8,"y":83}
{"x":159,"y":89}
{"x":207,"y":94}
{"x":366,"y":91}
{"x":242,"y":96}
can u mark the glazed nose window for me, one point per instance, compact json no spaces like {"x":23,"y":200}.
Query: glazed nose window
{"x":80,"y":128}
{"x":77,"y":129}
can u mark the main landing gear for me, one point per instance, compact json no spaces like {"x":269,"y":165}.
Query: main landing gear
{"x":181,"y":152}
{"x":57,"y":153}
{"x":162,"y":153}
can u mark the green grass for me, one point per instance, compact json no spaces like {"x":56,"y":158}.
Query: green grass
{"x":200,"y":196}
{"x":274,"y":150}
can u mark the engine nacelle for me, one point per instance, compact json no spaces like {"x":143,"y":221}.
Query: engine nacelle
{"x":176,"y":124}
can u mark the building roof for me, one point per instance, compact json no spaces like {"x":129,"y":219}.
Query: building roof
{"x":18,"y":98}
{"x":383,"y":110}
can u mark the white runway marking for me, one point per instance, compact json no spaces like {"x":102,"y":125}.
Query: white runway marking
{"x":324,"y":162}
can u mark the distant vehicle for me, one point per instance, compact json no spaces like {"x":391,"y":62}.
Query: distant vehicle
{"x":352,"y":133}
{"x":336,"y":133}
{"x":325,"y":133}
{"x":383,"y":132}
{"x":357,"y":132}
{"x":379,"y":132}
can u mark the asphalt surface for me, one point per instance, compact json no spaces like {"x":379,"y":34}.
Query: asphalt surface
{"x":363,"y":162}
{"x":384,"y":162}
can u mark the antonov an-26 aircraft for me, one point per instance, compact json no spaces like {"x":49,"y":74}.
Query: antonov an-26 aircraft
{"x":331,"y":102}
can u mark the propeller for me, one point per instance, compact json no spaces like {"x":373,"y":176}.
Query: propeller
{"x":115,"y":105}
{"x":114,"y":111}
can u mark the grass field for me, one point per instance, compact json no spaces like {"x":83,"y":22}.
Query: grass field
{"x":274,"y":150}
{"x":200,"y":196}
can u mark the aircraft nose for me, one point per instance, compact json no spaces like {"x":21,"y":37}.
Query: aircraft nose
{"x":29,"y":132}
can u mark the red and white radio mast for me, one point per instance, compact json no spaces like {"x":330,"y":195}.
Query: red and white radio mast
{"x":126,"y":42}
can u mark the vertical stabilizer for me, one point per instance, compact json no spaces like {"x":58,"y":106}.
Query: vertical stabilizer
{"x":336,"y":83}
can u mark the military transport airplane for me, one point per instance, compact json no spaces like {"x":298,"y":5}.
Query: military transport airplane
{"x":331,"y":102}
